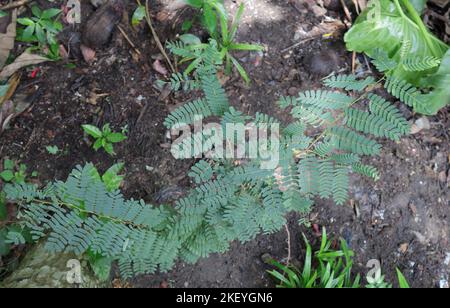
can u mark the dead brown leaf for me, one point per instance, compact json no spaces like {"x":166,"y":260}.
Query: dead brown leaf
{"x":7,"y":39}
{"x":9,"y":110}
{"x":12,"y":86}
{"x":159,"y":67}
{"x":88,"y":53}
{"x":23,"y":60}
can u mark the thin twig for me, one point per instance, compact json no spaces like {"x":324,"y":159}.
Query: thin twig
{"x":346,"y":11}
{"x":308,"y":39}
{"x":14,"y":5}
{"x":289,"y":244}
{"x":128,"y":40}
{"x":156,"y":38}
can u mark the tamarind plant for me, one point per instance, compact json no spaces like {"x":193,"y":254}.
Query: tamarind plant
{"x":232,"y":199}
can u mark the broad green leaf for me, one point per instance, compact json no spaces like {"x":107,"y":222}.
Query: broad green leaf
{"x":387,"y":29}
{"x":210,"y":20}
{"x":106,"y":129}
{"x":116,"y":137}
{"x":40,"y":34}
{"x":138,"y":15}
{"x":25,"y":21}
{"x":439,"y":97}
{"x":102,"y":268}
{"x":109,"y":148}
{"x":111,"y":178}
{"x":3,"y":14}
{"x":190,"y":39}
{"x":419,"y":5}
{"x":36,"y":11}
{"x":92,"y":130}
{"x":47,"y":14}
{"x":98,"y":144}
{"x":8,"y":164}
{"x":28,"y":32}
{"x":7,"y":175}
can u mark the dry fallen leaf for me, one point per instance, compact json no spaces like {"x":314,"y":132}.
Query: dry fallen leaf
{"x":159,"y":67}
{"x":403,"y":248}
{"x":7,"y":39}
{"x":9,"y":110}
{"x":12,"y":86}
{"x":88,"y":53}
{"x":23,"y":60}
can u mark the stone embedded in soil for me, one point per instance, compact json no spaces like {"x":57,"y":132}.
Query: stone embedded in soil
{"x":420,"y":125}
{"x":101,"y":24}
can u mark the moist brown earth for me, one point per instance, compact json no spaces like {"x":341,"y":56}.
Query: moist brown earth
{"x":401,"y":220}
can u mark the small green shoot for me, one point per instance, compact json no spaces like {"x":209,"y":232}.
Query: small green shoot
{"x":41,"y":29}
{"x":104,"y":138}
{"x":138,"y":15}
{"x":215,"y":19}
{"x":52,"y":149}
{"x":13,"y":174}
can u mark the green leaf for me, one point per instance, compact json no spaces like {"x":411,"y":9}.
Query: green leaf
{"x":8,"y":164}
{"x":439,"y":96}
{"x":195,"y":3}
{"x":246,"y":47}
{"x":15,"y":238}
{"x":138,"y":15}
{"x":402,"y":280}
{"x":3,"y":14}
{"x":102,"y":267}
{"x":240,"y":69}
{"x":40,"y":34}
{"x":236,"y":21}
{"x":25,"y":21}
{"x":5,"y":248}
{"x":116,"y":137}
{"x":7,"y":175}
{"x":111,"y":178}
{"x":52,"y":149}
{"x":419,"y":5}
{"x":47,"y":14}
{"x":190,"y":39}
{"x":388,"y":27}
{"x":187,"y":25}
{"x":28,"y":32}
{"x":210,"y":20}
{"x":36,"y":11}
{"x":109,"y":148}
{"x":106,"y":129}
{"x":98,"y":144}
{"x":92,"y":131}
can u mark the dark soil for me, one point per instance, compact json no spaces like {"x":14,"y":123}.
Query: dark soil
{"x":402,"y":220}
